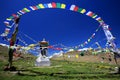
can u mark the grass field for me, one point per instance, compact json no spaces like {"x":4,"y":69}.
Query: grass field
{"x":60,"y":69}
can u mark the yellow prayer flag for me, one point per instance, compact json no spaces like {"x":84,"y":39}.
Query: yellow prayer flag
{"x":27,"y":10}
{"x":94,"y":16}
{"x":8,"y":19}
{"x":88,"y":40}
{"x":76,"y":56}
{"x":63,"y":6}
{"x":41,"y":6}
{"x":83,"y":11}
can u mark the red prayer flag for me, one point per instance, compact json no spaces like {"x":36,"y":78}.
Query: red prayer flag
{"x":53,"y":4}
{"x":50,"y":46}
{"x":109,"y":28}
{"x":76,"y":8}
{"x":14,"y":15}
{"x":35,"y":7}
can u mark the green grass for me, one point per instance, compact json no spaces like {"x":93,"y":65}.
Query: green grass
{"x":59,"y":70}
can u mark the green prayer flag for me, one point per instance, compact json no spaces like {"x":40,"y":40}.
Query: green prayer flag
{"x":58,"y":5}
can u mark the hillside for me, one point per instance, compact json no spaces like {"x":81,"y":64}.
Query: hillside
{"x":3,"y":53}
{"x":88,"y":57}
{"x":70,"y":56}
{"x":85,"y":67}
{"x":3,"y":49}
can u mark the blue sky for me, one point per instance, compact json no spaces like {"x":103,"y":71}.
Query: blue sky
{"x":63,"y":26}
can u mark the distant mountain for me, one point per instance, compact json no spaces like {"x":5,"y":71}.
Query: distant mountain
{"x":84,"y":49}
{"x":1,"y":44}
{"x":59,"y":54}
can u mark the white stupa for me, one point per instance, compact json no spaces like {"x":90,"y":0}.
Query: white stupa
{"x":43,"y":60}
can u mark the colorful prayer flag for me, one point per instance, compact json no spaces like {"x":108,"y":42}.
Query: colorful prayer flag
{"x":81,"y":45}
{"x":26,"y":10}
{"x":6,"y":23}
{"x":58,"y":48}
{"x":14,"y":15}
{"x":63,"y":6}
{"x":32,"y":7}
{"x":54,"y":5}
{"x":89,"y":13}
{"x":72,"y":7}
{"x":97,"y":30}
{"x":8,"y":19}
{"x":80,"y":9}
{"x":76,"y":8}
{"x":58,"y":5}
{"x":41,"y":6}
{"x":76,"y":56}
{"x":45,"y":5}
{"x":7,"y":30}
{"x":93,"y":35}
{"x":38,"y":7}
{"x":68,"y":7}
{"x":88,"y":40}
{"x":98,"y":19}
{"x":3,"y":34}
{"x":35,"y":7}
{"x":83,"y":11}
{"x":94,"y":16}
{"x":50,"y":46}
{"x":22,"y":12}
{"x":19,"y":13}
{"x":49,"y":5}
